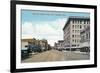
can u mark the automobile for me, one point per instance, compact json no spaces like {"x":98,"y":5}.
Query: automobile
{"x":24,"y":53}
{"x":36,"y":48}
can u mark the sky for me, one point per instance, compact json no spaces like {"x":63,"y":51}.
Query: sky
{"x":45,"y":24}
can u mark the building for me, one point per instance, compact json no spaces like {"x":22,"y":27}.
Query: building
{"x":59,"y":45}
{"x":26,"y":42}
{"x":35,"y":42}
{"x":72,"y":31}
{"x":44,"y":44}
{"x":85,"y":39}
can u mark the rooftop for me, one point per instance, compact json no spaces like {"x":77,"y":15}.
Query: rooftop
{"x":75,"y":18}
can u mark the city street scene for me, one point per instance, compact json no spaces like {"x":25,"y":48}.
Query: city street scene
{"x":49,"y":36}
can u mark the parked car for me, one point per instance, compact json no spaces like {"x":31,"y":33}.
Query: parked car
{"x":24,"y":53}
{"x":36,"y":48}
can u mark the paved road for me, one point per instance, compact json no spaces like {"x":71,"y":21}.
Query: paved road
{"x":54,"y":55}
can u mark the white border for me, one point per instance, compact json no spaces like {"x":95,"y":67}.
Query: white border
{"x":20,"y":65}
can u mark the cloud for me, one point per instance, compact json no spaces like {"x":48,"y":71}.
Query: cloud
{"x":50,"y":30}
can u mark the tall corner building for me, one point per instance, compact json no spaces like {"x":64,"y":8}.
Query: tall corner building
{"x":72,"y":29}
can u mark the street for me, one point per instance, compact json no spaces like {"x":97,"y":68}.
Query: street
{"x":55,"y":55}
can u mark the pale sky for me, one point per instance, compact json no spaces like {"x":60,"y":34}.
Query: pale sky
{"x":45,"y":24}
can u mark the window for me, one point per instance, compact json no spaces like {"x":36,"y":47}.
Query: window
{"x":75,"y":36}
{"x":86,"y":36}
{"x":72,"y":35}
{"x":80,"y":22}
{"x":73,"y":30}
{"x":26,"y":45}
{"x":84,"y":22}
{"x":87,"y":22}
{"x":80,"y":26}
{"x":89,"y":34}
{"x":73,"y":26}
{"x":73,"y":40}
{"x":73,"y":21}
{"x":78,"y":31}
{"x":77,"y":26}
{"x":73,"y":45}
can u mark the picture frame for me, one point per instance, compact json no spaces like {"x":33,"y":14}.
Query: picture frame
{"x":18,"y":8}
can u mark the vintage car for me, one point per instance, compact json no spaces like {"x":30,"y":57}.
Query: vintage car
{"x":24,"y":53}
